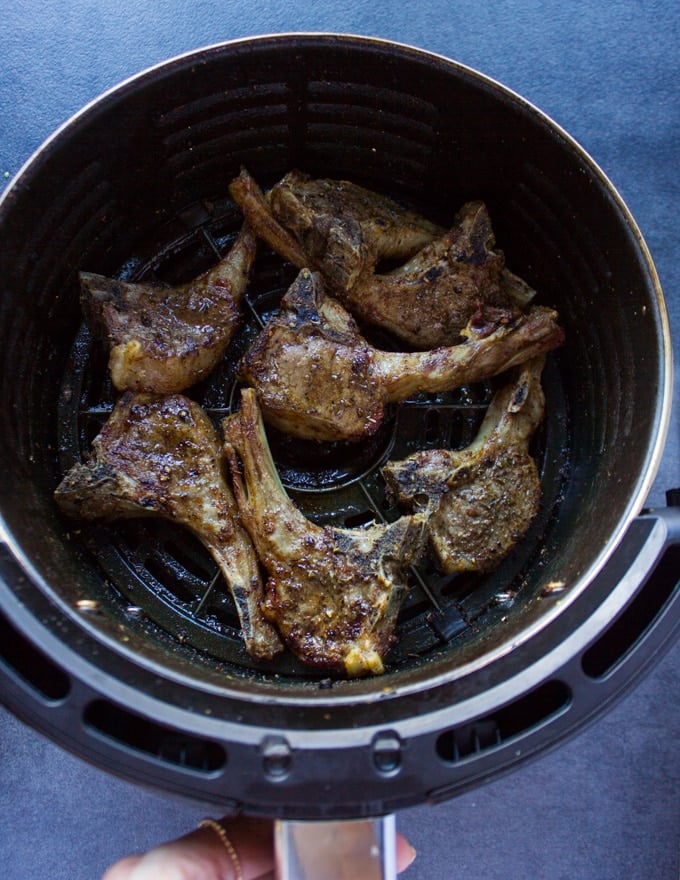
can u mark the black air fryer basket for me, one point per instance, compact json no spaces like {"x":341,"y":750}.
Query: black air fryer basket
{"x":121,"y":642}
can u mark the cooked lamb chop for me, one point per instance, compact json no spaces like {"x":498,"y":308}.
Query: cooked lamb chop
{"x":483,"y":498}
{"x":333,"y":593}
{"x":161,"y":456}
{"x":165,"y":339}
{"x":346,"y":232}
{"x":318,"y":378}
{"x":428,"y":301}
{"x":333,"y":226}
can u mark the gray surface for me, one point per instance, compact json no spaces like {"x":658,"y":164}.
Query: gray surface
{"x":606,"y":804}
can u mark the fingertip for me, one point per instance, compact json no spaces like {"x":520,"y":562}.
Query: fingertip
{"x":406,"y":854}
{"x":122,"y":869}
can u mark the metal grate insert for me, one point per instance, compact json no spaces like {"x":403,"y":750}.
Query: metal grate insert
{"x":163,"y":572}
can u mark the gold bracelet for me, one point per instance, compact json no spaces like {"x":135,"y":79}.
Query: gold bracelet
{"x":228,"y":845}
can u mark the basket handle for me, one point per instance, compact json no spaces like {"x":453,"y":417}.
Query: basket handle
{"x":354,"y":849}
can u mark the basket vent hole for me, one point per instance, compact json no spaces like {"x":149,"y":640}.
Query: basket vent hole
{"x":195,"y":562}
{"x":132,"y":731}
{"x":615,"y":643}
{"x":518,"y":717}
{"x":31,"y":665}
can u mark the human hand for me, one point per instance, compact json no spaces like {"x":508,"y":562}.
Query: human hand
{"x":203,"y":855}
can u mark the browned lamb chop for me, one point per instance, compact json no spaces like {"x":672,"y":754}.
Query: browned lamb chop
{"x":165,"y":339}
{"x":333,"y":593}
{"x":347,"y":232}
{"x":318,"y":378}
{"x":483,"y":498}
{"x":333,"y":226}
{"x":160,"y":455}
{"x":428,"y":301}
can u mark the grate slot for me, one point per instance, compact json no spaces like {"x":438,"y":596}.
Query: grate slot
{"x":174,"y":578}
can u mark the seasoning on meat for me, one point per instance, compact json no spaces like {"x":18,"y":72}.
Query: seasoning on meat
{"x":348,"y":233}
{"x":333,"y":593}
{"x":482,"y":499}
{"x":165,"y":339}
{"x":161,"y":456}
{"x":317,"y":377}
{"x":334,"y":226}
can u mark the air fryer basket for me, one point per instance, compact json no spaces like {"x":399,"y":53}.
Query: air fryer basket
{"x":121,"y":642}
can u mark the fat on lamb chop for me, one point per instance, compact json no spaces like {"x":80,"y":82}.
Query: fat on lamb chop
{"x":165,"y":339}
{"x":346,"y":232}
{"x":316,"y":377}
{"x":333,"y":593}
{"x":160,"y":455}
{"x":482,"y":499}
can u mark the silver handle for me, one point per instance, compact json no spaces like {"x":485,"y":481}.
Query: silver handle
{"x":355,"y":849}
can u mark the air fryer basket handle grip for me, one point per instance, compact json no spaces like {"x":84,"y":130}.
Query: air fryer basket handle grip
{"x":362,"y":849}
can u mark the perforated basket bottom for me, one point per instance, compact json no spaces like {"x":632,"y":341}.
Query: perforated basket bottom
{"x":162,"y":572}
